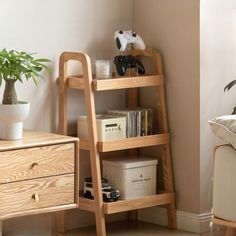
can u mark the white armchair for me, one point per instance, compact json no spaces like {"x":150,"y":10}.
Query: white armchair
{"x":224,"y":178}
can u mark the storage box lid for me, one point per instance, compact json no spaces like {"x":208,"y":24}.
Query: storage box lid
{"x":103,"y":117}
{"x":130,"y":161}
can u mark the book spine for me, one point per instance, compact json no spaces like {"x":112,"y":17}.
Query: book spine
{"x":150,"y":121}
{"x":139,"y":123}
{"x":146,"y":122}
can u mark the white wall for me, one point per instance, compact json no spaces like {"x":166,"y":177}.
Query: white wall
{"x":53,"y":26}
{"x":218,"y":60}
{"x":50,"y":27}
{"x":173,"y":28}
{"x":194,"y":83}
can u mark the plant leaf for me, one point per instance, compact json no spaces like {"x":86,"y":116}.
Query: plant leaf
{"x":38,"y":68}
{"x":15,"y":65}
{"x":42,"y":60}
{"x":229,"y":85}
{"x":234,"y":111}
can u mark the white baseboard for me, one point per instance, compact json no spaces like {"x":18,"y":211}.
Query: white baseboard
{"x":196,"y":223}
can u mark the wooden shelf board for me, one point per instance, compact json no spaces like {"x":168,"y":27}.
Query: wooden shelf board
{"x":134,"y":204}
{"x":127,"y":82}
{"x":84,"y":144}
{"x":226,"y":223}
{"x":86,"y":204}
{"x":38,"y":211}
{"x":128,"y":205}
{"x":31,"y":139}
{"x":136,"y":142}
{"x":77,"y":82}
{"x":122,"y":144}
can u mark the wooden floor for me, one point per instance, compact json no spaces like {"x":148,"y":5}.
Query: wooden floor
{"x":29,"y":227}
{"x":136,"y":229}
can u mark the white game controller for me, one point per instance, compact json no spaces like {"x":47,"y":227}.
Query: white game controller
{"x":123,"y":38}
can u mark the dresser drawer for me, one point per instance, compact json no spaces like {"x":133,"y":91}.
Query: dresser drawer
{"x":36,"y":194}
{"x":36,"y":162}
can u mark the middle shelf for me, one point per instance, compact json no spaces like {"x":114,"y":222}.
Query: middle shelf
{"x":128,"y":143}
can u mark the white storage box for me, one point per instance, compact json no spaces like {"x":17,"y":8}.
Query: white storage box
{"x":133,"y":176}
{"x":109,"y":127}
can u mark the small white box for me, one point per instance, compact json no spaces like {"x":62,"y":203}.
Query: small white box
{"x":103,"y":69}
{"x":133,"y":176}
{"x":109,"y":127}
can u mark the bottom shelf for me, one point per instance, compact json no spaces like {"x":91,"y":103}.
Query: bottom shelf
{"x":128,"y":205}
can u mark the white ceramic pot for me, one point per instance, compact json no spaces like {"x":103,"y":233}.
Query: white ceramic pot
{"x":11,"y":120}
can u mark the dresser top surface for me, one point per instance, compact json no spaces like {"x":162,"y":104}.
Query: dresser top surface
{"x":35,"y":139}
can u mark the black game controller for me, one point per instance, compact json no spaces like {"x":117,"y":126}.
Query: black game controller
{"x":124,"y":62}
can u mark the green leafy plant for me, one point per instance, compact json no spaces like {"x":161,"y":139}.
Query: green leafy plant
{"x":19,"y":66}
{"x":227,"y":88}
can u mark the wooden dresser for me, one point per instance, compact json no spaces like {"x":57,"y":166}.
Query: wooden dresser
{"x":38,"y":174}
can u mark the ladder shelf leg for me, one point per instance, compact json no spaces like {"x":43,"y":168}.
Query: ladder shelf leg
{"x":168,"y":185}
{"x":94,"y":154}
{"x":61,"y":216}
{"x":166,"y":159}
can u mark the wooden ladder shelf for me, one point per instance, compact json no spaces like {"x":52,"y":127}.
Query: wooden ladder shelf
{"x":85,"y":82}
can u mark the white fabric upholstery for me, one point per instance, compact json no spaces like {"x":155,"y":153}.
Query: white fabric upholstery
{"x":224,"y":184}
{"x":224,"y":127}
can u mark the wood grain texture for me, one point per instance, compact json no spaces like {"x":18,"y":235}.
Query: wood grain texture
{"x":129,"y":82}
{"x":26,"y":164}
{"x":52,"y":191}
{"x":143,"y":141}
{"x":134,"y":142}
{"x":86,"y":204}
{"x":85,"y":82}
{"x":129,"y":204}
{"x":63,"y":94}
{"x":154,"y":54}
{"x":163,"y":128}
{"x":132,"y":204}
{"x":35,"y":139}
{"x":132,"y":100}
{"x":56,"y":209}
{"x":92,"y":132}
{"x":36,"y":162}
{"x":223,"y":222}
{"x":75,"y":82}
{"x":94,"y":154}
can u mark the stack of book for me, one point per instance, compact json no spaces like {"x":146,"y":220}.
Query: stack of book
{"x":139,"y":121}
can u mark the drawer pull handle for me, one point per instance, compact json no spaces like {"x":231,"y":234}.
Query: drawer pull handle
{"x":34,"y":164}
{"x":35,"y":196}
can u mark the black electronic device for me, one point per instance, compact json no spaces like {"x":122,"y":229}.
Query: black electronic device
{"x":124,"y":62}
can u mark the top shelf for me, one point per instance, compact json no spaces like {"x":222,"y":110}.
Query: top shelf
{"x":77,"y":82}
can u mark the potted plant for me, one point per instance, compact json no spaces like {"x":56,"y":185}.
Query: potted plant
{"x":16,"y":66}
